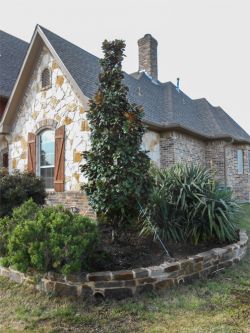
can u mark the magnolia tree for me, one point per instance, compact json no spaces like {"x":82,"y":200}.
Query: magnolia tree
{"x":116,"y":166}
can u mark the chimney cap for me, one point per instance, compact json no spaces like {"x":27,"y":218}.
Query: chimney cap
{"x":148,"y":37}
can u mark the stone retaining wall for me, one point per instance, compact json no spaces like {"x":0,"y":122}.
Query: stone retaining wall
{"x":126,"y":283}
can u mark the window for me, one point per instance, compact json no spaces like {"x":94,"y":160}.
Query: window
{"x":45,"y":79}
{"x":47,"y":157}
{"x":240,"y":166}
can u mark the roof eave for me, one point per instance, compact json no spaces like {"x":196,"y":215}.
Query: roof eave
{"x":161,"y":127}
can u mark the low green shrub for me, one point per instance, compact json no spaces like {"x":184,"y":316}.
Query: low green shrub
{"x":187,"y":204}
{"x":27,"y":211}
{"x":17,"y":188}
{"x":50,"y":238}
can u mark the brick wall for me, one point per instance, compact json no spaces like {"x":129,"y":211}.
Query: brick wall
{"x":177,"y":147}
{"x":76,"y":201}
{"x":240,"y":183}
{"x":215,"y":159}
{"x":181,"y":148}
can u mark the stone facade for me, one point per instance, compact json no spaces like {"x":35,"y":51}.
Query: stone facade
{"x":127,"y":283}
{"x":151,"y":143}
{"x":53,"y":107}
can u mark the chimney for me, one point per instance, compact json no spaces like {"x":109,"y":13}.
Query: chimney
{"x":148,"y":55}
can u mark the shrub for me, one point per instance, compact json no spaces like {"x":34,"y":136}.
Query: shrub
{"x":27,"y":211}
{"x":17,"y":188}
{"x":187,"y":203}
{"x":51,"y":238}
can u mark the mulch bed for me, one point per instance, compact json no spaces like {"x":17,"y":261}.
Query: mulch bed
{"x":134,"y":251}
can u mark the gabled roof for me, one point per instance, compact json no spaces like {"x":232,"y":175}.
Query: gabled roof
{"x":164,"y":107}
{"x":12,"y":53}
{"x":163,"y":104}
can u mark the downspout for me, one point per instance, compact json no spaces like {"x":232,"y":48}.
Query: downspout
{"x":225,"y":160}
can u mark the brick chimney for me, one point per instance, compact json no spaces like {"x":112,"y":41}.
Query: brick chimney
{"x":148,"y":55}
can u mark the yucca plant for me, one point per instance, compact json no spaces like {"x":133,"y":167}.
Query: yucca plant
{"x":188,"y":204}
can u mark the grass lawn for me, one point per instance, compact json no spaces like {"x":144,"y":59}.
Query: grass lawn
{"x":221,"y":304}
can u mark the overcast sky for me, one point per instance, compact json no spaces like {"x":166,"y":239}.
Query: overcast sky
{"x":204,"y":42}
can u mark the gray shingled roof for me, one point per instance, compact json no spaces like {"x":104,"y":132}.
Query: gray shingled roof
{"x":12,"y":53}
{"x":163,"y":104}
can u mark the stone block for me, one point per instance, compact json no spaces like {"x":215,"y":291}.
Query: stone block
{"x":141,"y":272}
{"x":191,"y":278}
{"x":146,"y":288}
{"x":164,"y":284}
{"x":187,"y":266}
{"x":63,"y":289}
{"x":123,"y":275}
{"x":5,"y":272}
{"x":146,"y":280}
{"x":172,"y":268}
{"x":99,"y":276}
{"x":118,"y":293}
{"x":86,"y":292}
{"x":109,"y":284}
{"x":16,"y":276}
{"x":155,"y":271}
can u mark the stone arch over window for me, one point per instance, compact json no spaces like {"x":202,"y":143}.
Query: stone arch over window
{"x":46,"y":78}
{"x":46,"y":123}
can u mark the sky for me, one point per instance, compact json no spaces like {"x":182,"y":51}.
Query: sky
{"x":204,"y":42}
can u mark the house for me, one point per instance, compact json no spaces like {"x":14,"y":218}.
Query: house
{"x":44,"y":127}
{"x":12,"y":53}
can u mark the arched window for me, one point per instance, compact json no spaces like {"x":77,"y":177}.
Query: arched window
{"x":45,"y":79}
{"x":46,"y":157}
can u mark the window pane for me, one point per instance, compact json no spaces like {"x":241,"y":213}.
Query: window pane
{"x":47,"y":157}
{"x":240,"y":161}
{"x":47,"y":148}
{"x":48,"y":176}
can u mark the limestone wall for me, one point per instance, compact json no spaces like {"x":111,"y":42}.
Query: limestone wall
{"x":151,"y":143}
{"x":58,"y":105}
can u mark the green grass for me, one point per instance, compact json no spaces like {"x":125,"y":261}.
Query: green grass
{"x":218,"y":305}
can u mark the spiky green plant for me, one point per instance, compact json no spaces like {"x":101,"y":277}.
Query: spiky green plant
{"x":188,"y":204}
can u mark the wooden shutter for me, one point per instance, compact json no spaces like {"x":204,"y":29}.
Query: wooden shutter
{"x":59,"y":159}
{"x":6,"y":160}
{"x":32,"y":153}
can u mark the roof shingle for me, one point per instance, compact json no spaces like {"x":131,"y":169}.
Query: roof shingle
{"x":12,"y":53}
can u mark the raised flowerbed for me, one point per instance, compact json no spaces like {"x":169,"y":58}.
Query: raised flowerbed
{"x":127,"y":283}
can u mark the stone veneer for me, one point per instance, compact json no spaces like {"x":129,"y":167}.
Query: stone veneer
{"x":58,"y":105}
{"x":126,"y":283}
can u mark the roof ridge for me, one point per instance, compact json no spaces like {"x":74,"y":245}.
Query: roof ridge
{"x":67,"y":41}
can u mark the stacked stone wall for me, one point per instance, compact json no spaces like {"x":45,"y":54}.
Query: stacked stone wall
{"x":127,"y":283}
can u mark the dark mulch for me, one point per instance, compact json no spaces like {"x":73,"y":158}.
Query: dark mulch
{"x":133,"y":251}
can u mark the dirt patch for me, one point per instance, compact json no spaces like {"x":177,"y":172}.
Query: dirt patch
{"x":132,"y":251}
